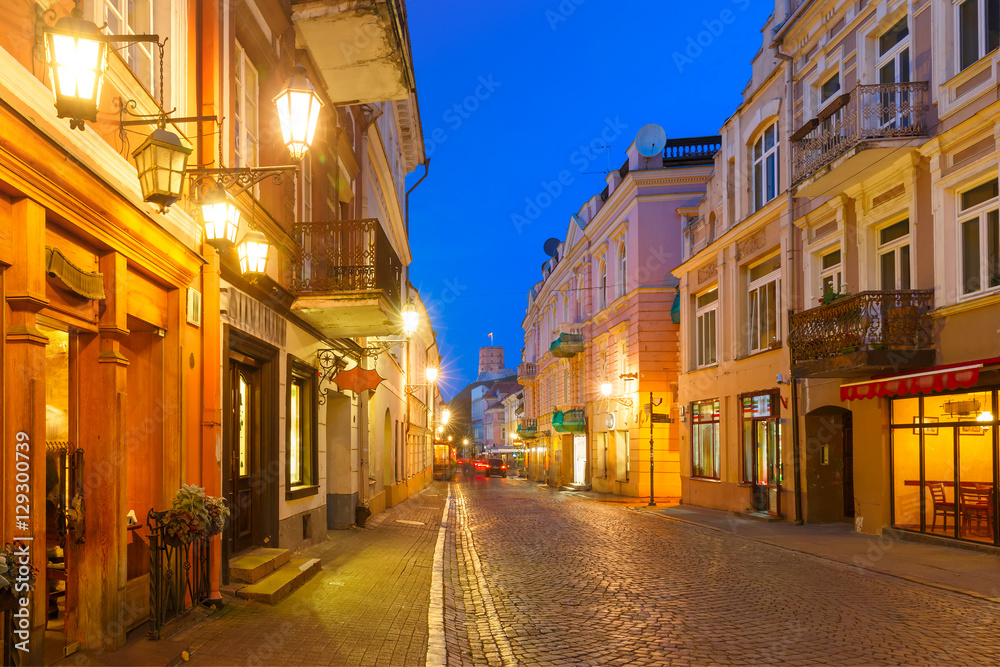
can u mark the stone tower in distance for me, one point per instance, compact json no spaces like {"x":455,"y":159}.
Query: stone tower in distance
{"x":490,"y":359}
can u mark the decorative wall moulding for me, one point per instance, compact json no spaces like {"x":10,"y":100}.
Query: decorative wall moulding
{"x":751,"y":244}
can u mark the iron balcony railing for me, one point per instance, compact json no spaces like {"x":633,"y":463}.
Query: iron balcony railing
{"x":344,"y":256}
{"x":867,"y":113}
{"x":895,"y":320}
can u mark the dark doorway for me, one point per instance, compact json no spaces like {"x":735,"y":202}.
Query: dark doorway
{"x":848,"y":472}
{"x":829,"y":464}
{"x":244,"y":451}
{"x":250,"y":468}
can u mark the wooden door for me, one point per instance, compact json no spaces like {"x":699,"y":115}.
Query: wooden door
{"x":243,"y":453}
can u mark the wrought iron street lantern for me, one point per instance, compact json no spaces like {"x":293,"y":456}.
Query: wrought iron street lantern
{"x":77,"y":56}
{"x":252,"y":251}
{"x":432,"y":374}
{"x":222,"y":219}
{"x":298,"y":112}
{"x":161,"y":161}
{"x":411,"y":318}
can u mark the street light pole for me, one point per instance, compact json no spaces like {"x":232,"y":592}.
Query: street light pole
{"x":652,"y":498}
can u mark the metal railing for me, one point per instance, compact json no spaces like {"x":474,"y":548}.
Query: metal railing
{"x":896,"y":320}
{"x":867,"y":113}
{"x":344,"y":256}
{"x":177,"y":572}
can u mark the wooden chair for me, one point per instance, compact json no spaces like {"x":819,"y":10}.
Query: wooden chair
{"x":942,"y":506}
{"x":976,"y":503}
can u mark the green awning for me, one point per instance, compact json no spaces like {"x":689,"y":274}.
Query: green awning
{"x":675,"y":310}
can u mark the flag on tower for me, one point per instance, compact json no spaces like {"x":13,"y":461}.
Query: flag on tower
{"x":491,"y":338}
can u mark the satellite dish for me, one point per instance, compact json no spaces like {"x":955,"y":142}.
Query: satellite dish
{"x":551,"y":247}
{"x":650,"y":140}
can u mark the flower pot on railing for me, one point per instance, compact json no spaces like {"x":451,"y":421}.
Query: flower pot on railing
{"x":193,"y":515}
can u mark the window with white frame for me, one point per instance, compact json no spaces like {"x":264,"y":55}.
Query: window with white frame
{"x":622,"y":270}
{"x":830,"y":272}
{"x":894,"y":256}
{"x":706,"y":314}
{"x":893,"y":62}
{"x":829,"y":88}
{"x":978,"y":30}
{"x":980,"y":231}
{"x":705,"y":441}
{"x":604,"y":285}
{"x":135,"y":17}
{"x":762,"y":304}
{"x":765,"y":167}
{"x":245,"y":110}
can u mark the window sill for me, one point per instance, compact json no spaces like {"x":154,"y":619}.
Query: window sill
{"x":950,"y":100}
{"x":297,"y":492}
{"x":716,"y":480}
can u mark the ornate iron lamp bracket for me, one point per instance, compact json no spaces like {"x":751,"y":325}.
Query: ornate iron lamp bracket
{"x":224,"y":178}
{"x":329,"y":365}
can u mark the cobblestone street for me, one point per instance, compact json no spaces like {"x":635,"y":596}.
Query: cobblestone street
{"x":536,"y":577}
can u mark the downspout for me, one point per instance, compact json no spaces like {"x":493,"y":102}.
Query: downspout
{"x":790,"y":283}
{"x":406,"y":218}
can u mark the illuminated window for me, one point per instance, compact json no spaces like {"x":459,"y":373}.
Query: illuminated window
{"x":302,"y":475}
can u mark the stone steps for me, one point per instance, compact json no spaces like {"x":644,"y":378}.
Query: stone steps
{"x":253,"y":566}
{"x":278,"y":584}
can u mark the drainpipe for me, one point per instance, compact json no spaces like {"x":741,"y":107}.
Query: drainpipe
{"x":790,"y":283}
{"x":427,"y":168}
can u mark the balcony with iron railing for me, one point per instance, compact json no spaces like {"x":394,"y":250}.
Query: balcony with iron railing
{"x":572,"y":420}
{"x":527,"y":428}
{"x":345,"y":276}
{"x":526,"y":372}
{"x":855,"y":134}
{"x":863,"y":333}
{"x":568,"y":341}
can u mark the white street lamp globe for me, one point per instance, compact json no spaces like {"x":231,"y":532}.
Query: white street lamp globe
{"x":445,"y":416}
{"x":606,"y":388}
{"x":298,"y":112}
{"x":77,"y":56}
{"x":432,"y":374}
{"x":252,"y":251}
{"x":411,"y":318}
{"x":222,"y":219}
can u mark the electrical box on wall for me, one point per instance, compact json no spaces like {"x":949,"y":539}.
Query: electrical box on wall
{"x":193,"y":307}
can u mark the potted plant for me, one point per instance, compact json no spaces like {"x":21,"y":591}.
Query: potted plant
{"x":9,"y":570}
{"x":361,"y":513}
{"x":849,"y":343}
{"x":830,"y":295}
{"x":193,"y":515}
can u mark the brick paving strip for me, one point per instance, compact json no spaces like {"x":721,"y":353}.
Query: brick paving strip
{"x":437,"y":648}
{"x":368,"y":606}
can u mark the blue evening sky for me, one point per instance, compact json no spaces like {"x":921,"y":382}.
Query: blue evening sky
{"x":512,"y":94}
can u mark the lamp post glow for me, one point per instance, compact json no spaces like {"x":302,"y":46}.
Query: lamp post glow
{"x":222,"y":219}
{"x":252,"y":251}
{"x":77,"y":56}
{"x":606,"y":388}
{"x":161,"y":161}
{"x":298,"y":112}
{"x":411,"y":318}
{"x":445,"y":416}
{"x":432,"y":375}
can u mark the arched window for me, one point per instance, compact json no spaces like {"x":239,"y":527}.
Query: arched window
{"x":604,"y":285}
{"x":622,"y":270}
